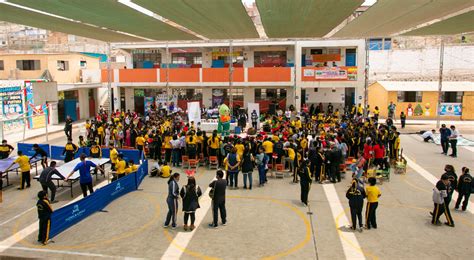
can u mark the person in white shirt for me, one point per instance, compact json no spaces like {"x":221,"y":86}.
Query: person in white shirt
{"x":453,"y":141}
{"x":428,"y":135}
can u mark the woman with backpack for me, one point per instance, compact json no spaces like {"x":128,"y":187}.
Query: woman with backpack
{"x":190,"y":194}
{"x":247,"y":167}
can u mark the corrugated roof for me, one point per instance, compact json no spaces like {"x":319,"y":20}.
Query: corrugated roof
{"x":427,"y":85}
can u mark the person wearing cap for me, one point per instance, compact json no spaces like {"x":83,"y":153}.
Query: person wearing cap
{"x":69,"y":151}
{"x":5,"y":149}
{"x":85,"y":178}
{"x":44,"y":156}
{"x":440,"y":193}
{"x":44,"y":216}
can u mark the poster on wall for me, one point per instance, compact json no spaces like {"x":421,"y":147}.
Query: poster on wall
{"x":33,"y":110}
{"x":11,"y":97}
{"x":194,"y":112}
{"x":450,"y":109}
{"x":148,"y":102}
{"x":217,"y":97}
{"x":163,"y":99}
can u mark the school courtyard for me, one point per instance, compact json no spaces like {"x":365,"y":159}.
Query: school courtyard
{"x":268,"y":222}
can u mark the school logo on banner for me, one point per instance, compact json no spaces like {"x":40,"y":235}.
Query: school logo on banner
{"x":76,"y":213}
{"x":118,"y":189}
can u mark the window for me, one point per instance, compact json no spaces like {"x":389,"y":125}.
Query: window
{"x":186,"y":58}
{"x":1,"y":65}
{"x":83,"y":64}
{"x":410,"y":96}
{"x":146,"y":58}
{"x":270,"y":58}
{"x":28,"y":64}
{"x":380,"y":44}
{"x":452,"y":97}
{"x":63,"y":65}
{"x":270,"y":94}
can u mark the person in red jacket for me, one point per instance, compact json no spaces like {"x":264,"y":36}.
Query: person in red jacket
{"x":379,"y":154}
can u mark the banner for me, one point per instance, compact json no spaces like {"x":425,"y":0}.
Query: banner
{"x":331,"y":74}
{"x":194,"y":112}
{"x":12,"y":101}
{"x":250,"y":108}
{"x":450,"y":109}
{"x":163,"y":99}
{"x":73,"y":213}
{"x":148,"y":102}
{"x":27,"y":149}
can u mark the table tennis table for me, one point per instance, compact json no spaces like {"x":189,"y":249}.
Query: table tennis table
{"x":4,"y":163}
{"x":68,"y":167}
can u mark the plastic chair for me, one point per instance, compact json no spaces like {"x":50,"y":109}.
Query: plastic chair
{"x":184,"y":161}
{"x":193,"y":163}
{"x":279,"y":170}
{"x":213,"y":162}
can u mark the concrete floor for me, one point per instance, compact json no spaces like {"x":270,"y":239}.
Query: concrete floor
{"x":267,"y":222}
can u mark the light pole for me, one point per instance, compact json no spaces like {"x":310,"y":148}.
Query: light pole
{"x":440,"y":81}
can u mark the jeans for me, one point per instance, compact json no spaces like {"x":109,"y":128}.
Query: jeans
{"x":454,"y":148}
{"x":175,"y":157}
{"x":445,"y":145}
{"x":249,"y":176}
{"x":233,"y":175}
{"x":172,"y":211}
{"x":261,"y":174}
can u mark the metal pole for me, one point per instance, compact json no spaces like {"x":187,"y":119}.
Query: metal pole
{"x":231,"y":72}
{"x":109,"y":79}
{"x":366,"y":83}
{"x":294,"y":78}
{"x":440,"y":82}
{"x":167,"y":75}
{"x":46,"y":115}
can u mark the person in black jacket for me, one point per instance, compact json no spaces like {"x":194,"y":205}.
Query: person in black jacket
{"x":172,"y":200}
{"x":46,"y":180}
{"x":305,"y":181}
{"x":247,"y":167}
{"x":335,"y":158}
{"x":440,"y":194}
{"x":218,"y":199}
{"x":69,"y":151}
{"x":453,"y":180}
{"x":190,"y":194}
{"x":464,"y":187}
{"x":356,"y":194}
{"x":5,"y":149}
{"x":444,"y":134}
{"x":68,"y":127}
{"x":44,"y":156}
{"x":44,"y":216}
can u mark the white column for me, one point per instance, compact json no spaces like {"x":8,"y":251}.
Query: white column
{"x":249,"y":59}
{"x":249,"y":95}
{"x":297,"y":89}
{"x":207,"y":96}
{"x":83,"y":103}
{"x":116,"y":100}
{"x":206,"y":59}
{"x":129,"y":99}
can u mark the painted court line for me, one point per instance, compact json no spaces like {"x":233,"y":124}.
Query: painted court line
{"x":431,"y":178}
{"x":61,"y":252}
{"x":183,"y":238}
{"x":469,"y":148}
{"x":17,"y":237}
{"x":350,"y":245}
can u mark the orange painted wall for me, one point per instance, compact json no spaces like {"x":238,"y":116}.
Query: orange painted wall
{"x":269,"y":74}
{"x":180,"y":75}
{"x":222,"y":75}
{"x":137,"y":75}
{"x":104,"y":75}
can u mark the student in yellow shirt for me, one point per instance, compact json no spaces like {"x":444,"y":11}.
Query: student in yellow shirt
{"x":240,"y":148}
{"x":213,"y":144}
{"x":167,"y":146}
{"x":113,"y":156}
{"x":373,"y":193}
{"x":120,"y":166}
{"x":140,"y":143}
{"x":131,"y":167}
{"x":100,"y":133}
{"x":165,"y":171}
{"x":24,"y":162}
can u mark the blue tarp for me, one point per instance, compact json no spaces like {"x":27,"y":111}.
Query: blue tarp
{"x":27,"y":149}
{"x":71,"y":214}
